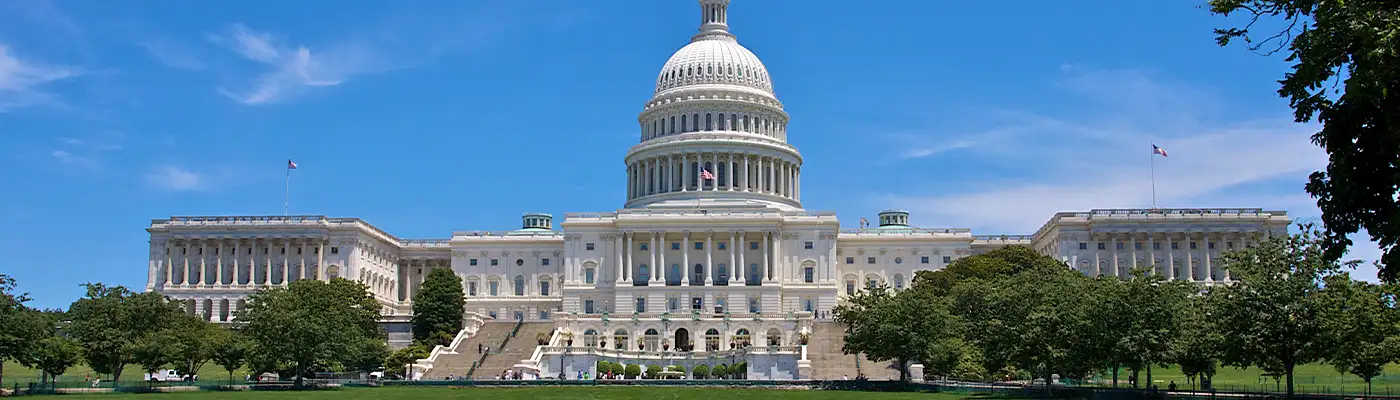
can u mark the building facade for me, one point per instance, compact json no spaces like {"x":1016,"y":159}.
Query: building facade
{"x":712,"y":247}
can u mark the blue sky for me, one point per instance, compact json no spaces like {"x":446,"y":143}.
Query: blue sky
{"x":427,"y":117}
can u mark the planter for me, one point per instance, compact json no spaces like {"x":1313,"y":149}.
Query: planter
{"x":569,"y":342}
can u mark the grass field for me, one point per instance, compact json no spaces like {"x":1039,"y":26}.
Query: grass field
{"x":15,"y":373}
{"x":1311,"y":378}
{"x":561,"y":393}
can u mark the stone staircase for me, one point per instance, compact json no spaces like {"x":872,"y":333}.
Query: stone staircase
{"x":828,"y":363}
{"x":456,"y":365}
{"x":520,"y":347}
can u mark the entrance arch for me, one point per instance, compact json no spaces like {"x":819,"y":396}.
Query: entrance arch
{"x":682,"y":339}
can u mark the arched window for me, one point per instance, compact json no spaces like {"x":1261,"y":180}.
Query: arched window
{"x":722,"y":126}
{"x":708,"y":125}
{"x":519,"y":285}
{"x":590,"y":338}
{"x":695,"y":121}
{"x":733,"y":122}
{"x":898,"y":281}
{"x":642,"y":274}
{"x":746,"y":124}
{"x":753,"y":274}
{"x":698,"y":275}
{"x":775,"y":337}
{"x":652,"y":339}
{"x":721,"y":274}
{"x":620,"y":339}
{"x":673,"y":124}
{"x":588,"y":274}
{"x":684,"y":128}
{"x":544,"y":287}
{"x":673,"y":278}
{"x":712,"y":340}
{"x":742,"y":337}
{"x":809,"y":274}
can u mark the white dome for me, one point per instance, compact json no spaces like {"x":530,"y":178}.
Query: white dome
{"x":713,"y":61}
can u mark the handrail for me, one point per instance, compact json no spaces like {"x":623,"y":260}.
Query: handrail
{"x":482,"y":360}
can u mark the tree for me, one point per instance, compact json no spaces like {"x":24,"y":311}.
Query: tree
{"x":53,"y":355}
{"x":1037,"y":320}
{"x":438,"y":306}
{"x":192,"y":342}
{"x":366,"y":356}
{"x":399,"y":358}
{"x":110,"y":320}
{"x":20,"y":326}
{"x":309,"y":323}
{"x":987,"y":266}
{"x":1152,"y":312}
{"x":632,"y":371}
{"x":1198,"y":349}
{"x":1273,"y":318}
{"x":1352,"y":43}
{"x":230,"y":351}
{"x":904,"y":327}
{"x":152,"y":352}
{"x":1362,"y":325}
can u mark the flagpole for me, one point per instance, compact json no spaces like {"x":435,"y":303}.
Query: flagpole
{"x":287,"y":197}
{"x":1152,"y":167}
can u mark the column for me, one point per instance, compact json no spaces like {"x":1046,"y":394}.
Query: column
{"x":219,"y":262}
{"x":660,"y":274}
{"x":685,"y":172}
{"x":778,"y":256}
{"x":744,"y":178}
{"x":733,"y":268}
{"x":321,"y":259}
{"x":203,"y":267}
{"x":286,"y":248}
{"x":617,"y":258}
{"x":685,"y":258}
{"x":185,"y":256}
{"x":742,"y":268}
{"x":765,"y":270}
{"x":214,"y":310}
{"x":303,"y":260}
{"x":628,"y":251}
{"x":169,"y":263}
{"x":1113,"y":246}
{"x":661,"y":249}
{"x":1098,"y":263}
{"x":1210,"y":274}
{"x":235,"y":262}
{"x":709,"y":258}
{"x":1171,"y":256}
{"x":1132,"y":251}
{"x":797,"y":182}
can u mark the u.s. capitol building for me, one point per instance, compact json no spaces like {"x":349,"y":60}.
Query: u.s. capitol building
{"x":712,"y":251}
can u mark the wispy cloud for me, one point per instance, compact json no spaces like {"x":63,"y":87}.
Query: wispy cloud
{"x":176,"y":179}
{"x":22,"y":81}
{"x":171,"y":54}
{"x":88,"y":152}
{"x":292,"y":70}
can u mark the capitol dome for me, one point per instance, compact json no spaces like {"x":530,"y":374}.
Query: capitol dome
{"x":713,"y":59}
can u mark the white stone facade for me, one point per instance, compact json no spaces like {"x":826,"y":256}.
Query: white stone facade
{"x":720,"y":260}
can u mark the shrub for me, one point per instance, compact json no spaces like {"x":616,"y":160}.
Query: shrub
{"x":617,"y":368}
{"x":702,"y":371}
{"x":631,"y":371}
{"x":603,"y":367}
{"x":653,"y":371}
{"x":721,"y":371}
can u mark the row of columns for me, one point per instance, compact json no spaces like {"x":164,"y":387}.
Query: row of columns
{"x":213,"y":309}
{"x":680,"y":172}
{"x":628,"y":243}
{"x":674,"y":124}
{"x":191,"y":257}
{"x":412,"y":277}
{"x":1107,"y":261}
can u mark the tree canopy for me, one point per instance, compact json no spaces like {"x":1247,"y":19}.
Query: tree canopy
{"x":438,"y":306}
{"x":309,"y":324}
{"x":21,"y":327}
{"x":110,"y":321}
{"x":1354,"y":44}
{"x":904,"y":326}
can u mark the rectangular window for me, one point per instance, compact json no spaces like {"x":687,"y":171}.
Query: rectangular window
{"x":492,"y":314}
{"x":588,"y":306}
{"x":471,"y":288}
{"x":1175,"y":245}
{"x":1083,"y":246}
{"x":850,"y":287}
{"x":641,"y":305}
{"x":544,"y":288}
{"x":1210,"y":245}
{"x":673,"y":303}
{"x":216,"y":251}
{"x":947,"y":259}
{"x":1156,"y":246}
{"x":1193,"y":245}
{"x":493,"y":288}
{"x":870,"y":260}
{"x":753,"y":245}
{"x":544,"y":314}
{"x":721,"y":245}
{"x":1101,"y":245}
{"x":588,"y":246}
{"x":1229,"y":245}
{"x":1137,"y":245}
{"x":807,"y":245}
{"x":588,"y":275}
{"x":923,"y":259}
{"x":753,"y":305}
{"x":675,"y":245}
{"x":699,"y":245}
{"x":644,"y":247}
{"x":809,"y":274}
{"x":544,"y":261}
{"x":471,"y":262}
{"x":1118,"y":246}
{"x":494,"y":262}
{"x":850,"y":260}
{"x":697,"y":303}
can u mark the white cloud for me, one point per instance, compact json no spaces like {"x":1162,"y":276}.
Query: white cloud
{"x":291,"y":70}
{"x":1102,"y":158}
{"x":171,"y":54}
{"x":21,"y":81}
{"x":174,"y":179}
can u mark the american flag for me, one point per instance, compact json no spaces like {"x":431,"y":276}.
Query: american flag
{"x":706,"y":175}
{"x":291,"y":165}
{"x":1159,"y":150}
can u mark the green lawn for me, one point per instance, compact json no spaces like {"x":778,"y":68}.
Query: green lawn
{"x":561,"y":393}
{"x":1311,"y":378}
{"x":15,"y":373}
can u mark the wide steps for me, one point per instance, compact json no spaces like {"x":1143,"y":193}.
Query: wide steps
{"x":521,"y":347}
{"x":829,"y":363}
{"x":457,"y":365}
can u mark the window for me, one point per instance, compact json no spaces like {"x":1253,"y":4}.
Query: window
{"x":898,"y":282}
{"x":588,"y":275}
{"x":519,"y":285}
{"x":721,"y":274}
{"x":544,"y":261}
{"x":544,"y":288}
{"x":870,"y":260}
{"x":1101,"y":245}
{"x":1229,"y":245}
{"x":871,"y":282}
{"x":923,"y":259}
{"x":850,"y":260}
{"x":808,"y":305}
{"x":494,"y":262}
{"x":1210,"y":245}
{"x":1137,"y":245}
{"x":1156,"y":246}
{"x":721,"y":245}
{"x":544,"y":314}
{"x":1193,"y":245}
{"x":1175,"y":245}
{"x":898,"y":260}
{"x":588,"y":246}
{"x":673,"y":303}
{"x":334,"y":250}
{"x":699,"y":245}
{"x":642,"y":275}
{"x":697,"y":303}
{"x":471,"y":288}
{"x":494,"y":288}
{"x":807,"y":245}
{"x":492,"y":314}
{"x":588,"y":306}
{"x":753,"y":245}
{"x":1118,"y":246}
{"x":809,"y":274}
{"x":947,"y":259}
{"x":641,"y":305}
{"x":1083,"y":246}
{"x":850,"y":287}
{"x":519,"y":262}
{"x":753,"y":273}
{"x":471,"y":262}
{"x":753,"y":305}
{"x":644,"y":247}
{"x":519,"y":315}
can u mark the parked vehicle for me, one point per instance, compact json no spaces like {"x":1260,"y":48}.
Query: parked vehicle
{"x":170,"y":375}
